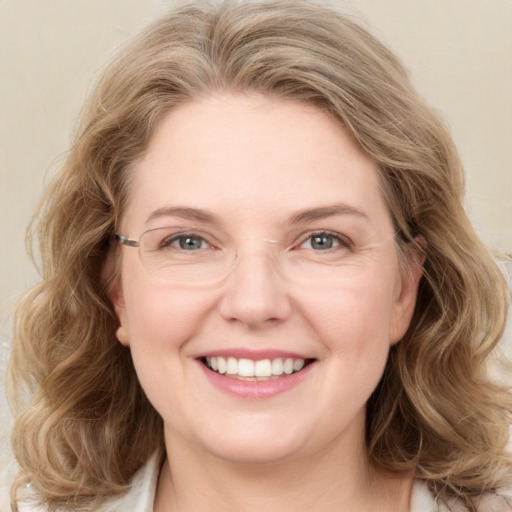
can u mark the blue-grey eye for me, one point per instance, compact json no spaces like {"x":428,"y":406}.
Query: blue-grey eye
{"x":188,"y":242}
{"x":322,"y":242}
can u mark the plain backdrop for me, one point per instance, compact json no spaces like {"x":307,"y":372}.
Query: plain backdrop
{"x":459,"y":53}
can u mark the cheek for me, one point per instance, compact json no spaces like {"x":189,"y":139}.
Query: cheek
{"x":353,"y":316}
{"x":161,"y":324}
{"x":352,"y":324}
{"x":162,"y":316}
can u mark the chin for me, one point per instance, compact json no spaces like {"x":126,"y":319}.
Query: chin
{"x":253,"y":454}
{"x":255,"y":445}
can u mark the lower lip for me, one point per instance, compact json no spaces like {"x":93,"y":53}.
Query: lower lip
{"x":256,"y":389}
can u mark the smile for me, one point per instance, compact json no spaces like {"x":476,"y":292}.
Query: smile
{"x":262,"y":369}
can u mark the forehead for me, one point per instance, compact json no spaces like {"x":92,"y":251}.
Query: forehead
{"x":252,"y":156}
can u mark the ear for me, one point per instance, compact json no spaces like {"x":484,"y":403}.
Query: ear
{"x":407,"y":292}
{"x":116,"y":297}
{"x":114,"y":287}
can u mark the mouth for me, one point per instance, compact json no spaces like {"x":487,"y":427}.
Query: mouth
{"x":255,"y":370}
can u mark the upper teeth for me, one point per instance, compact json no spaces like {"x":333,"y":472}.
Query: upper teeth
{"x":259,"y":368}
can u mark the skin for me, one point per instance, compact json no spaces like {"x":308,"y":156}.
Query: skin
{"x":254,"y":162}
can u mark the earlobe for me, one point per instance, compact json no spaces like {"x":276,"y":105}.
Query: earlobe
{"x":406,"y":300}
{"x":122,"y":336}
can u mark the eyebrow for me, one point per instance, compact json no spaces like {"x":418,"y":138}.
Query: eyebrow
{"x":322,"y":212}
{"x":306,"y":215}
{"x":183,"y":212}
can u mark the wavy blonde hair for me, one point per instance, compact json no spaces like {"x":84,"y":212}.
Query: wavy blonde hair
{"x":83,"y":424}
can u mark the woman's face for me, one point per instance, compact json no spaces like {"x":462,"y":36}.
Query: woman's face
{"x":277,"y":188}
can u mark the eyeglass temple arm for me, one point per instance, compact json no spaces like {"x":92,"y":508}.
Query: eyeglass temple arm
{"x":123,"y":240}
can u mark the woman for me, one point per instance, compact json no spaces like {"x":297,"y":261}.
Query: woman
{"x":252,"y":298}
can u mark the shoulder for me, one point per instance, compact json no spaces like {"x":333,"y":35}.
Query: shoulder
{"x":139,"y":498}
{"x":500,"y":501}
{"x":496,"y":502}
{"x":422,"y":500}
{"x":8,"y":470}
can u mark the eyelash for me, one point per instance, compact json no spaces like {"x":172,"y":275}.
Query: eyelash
{"x":169,"y":241}
{"x":341,"y":241}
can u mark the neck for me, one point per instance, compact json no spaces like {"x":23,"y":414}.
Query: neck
{"x":331,"y":481}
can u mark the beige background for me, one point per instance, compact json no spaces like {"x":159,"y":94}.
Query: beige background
{"x":458,"y":51}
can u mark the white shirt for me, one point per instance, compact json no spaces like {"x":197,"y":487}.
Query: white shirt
{"x":141,"y":496}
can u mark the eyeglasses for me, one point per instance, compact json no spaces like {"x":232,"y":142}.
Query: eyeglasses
{"x":191,"y":255}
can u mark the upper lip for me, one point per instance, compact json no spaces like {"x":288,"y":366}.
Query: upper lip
{"x":255,"y":355}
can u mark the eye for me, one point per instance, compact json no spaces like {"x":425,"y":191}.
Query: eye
{"x":185,"y":242}
{"x":324,"y":241}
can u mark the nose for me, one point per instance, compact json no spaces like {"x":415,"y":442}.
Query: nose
{"x":255,"y":292}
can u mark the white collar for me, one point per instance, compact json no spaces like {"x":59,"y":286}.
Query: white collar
{"x":422,"y":499}
{"x":141,"y":496}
